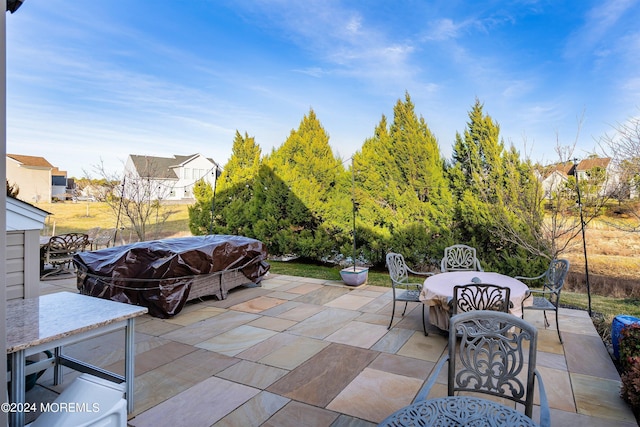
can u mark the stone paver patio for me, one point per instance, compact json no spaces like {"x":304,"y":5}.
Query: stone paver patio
{"x":307,"y":352}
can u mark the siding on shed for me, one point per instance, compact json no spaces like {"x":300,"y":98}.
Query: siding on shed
{"x":23,"y":264}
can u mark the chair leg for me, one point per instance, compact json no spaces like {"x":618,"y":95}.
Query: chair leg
{"x":546,"y":322}
{"x":393,"y":312}
{"x":558,"y":327}
{"x":405,"y":308}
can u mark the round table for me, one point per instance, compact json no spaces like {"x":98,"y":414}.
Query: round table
{"x":457,"y":411}
{"x":437,"y":291}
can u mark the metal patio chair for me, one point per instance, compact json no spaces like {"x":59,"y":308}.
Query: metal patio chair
{"x":548,"y":298}
{"x":60,"y":250}
{"x":403,"y":289}
{"x":496,"y":356}
{"x":104,"y":238}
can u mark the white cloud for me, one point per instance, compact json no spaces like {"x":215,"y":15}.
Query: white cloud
{"x":598,"y":23}
{"x":316,"y":72}
{"x":354,"y":24}
{"x":443,"y":29}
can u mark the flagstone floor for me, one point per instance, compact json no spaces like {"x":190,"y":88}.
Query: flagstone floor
{"x":306,"y":352}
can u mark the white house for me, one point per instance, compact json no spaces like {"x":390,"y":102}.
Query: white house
{"x":165,"y":178}
{"x":37,"y":179}
{"x":611,"y":175}
{"x":555,"y":176}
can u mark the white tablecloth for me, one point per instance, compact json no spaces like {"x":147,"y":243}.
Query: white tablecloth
{"x":438,"y":290}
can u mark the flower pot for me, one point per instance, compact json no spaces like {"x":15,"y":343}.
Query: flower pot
{"x":354,"y":277}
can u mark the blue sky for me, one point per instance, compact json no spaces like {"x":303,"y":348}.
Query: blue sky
{"x":93,"y":81}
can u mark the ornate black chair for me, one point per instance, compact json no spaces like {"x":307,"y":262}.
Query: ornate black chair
{"x":496,"y":356}
{"x":60,"y":250}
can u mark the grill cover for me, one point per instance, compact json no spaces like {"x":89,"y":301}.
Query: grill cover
{"x":158,"y":274}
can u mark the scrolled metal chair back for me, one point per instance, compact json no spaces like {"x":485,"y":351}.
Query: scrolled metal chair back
{"x":398,"y":270}
{"x":491,"y":356}
{"x":476,"y":296}
{"x":460,"y":258}
{"x":556,"y":274}
{"x":68,"y":243}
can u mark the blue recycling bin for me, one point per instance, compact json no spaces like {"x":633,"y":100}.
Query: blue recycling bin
{"x":618,"y":323}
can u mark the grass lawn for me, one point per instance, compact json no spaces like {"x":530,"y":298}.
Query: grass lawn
{"x":292,"y":268}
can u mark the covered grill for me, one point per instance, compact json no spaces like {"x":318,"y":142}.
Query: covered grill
{"x":163,"y":275}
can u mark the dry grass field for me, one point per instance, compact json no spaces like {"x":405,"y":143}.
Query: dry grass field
{"x":614,"y":262}
{"x":69,"y":217}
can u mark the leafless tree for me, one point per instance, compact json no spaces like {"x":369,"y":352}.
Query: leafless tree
{"x":136,"y":197}
{"x":623,"y":146}
{"x":550,"y":223}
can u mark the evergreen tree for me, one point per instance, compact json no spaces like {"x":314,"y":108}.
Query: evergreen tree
{"x":496,"y":196}
{"x":307,"y":164}
{"x":243,"y":164}
{"x":12,"y":189}
{"x":226,"y":213}
{"x":402,"y":174}
{"x":317,"y":203}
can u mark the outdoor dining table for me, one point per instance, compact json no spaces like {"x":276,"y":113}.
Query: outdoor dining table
{"x":437,"y":292}
{"x":50,"y":322}
{"x":457,"y":411}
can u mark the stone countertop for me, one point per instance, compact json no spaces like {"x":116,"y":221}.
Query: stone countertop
{"x":35,"y":321}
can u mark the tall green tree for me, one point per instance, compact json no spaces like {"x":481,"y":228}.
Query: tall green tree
{"x":498,"y":210}
{"x":305,"y":161}
{"x":243,"y":164}
{"x":226,"y":213}
{"x":318,"y":198}
{"x":295,"y":200}
{"x":401,"y":174}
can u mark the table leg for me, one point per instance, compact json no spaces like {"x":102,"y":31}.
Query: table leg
{"x":16,"y":418}
{"x":129,"y":363}
{"x":57,"y":368}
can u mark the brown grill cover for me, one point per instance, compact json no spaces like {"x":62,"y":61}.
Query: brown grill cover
{"x":158,"y":274}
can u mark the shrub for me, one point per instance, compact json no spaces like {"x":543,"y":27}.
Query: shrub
{"x":630,"y":364}
{"x":631,"y":384}
{"x":629,"y":344}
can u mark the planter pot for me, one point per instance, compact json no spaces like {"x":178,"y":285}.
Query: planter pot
{"x":354,"y":277}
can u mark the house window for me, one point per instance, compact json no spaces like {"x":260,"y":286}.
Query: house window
{"x":186,"y":173}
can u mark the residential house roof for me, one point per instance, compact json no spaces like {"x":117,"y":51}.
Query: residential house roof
{"x":24,"y":216}
{"x":565,"y":168}
{"x":588,"y":164}
{"x":569,"y":168}
{"x":57,"y":172}
{"x":154,"y":167}
{"x":161,"y":167}
{"x":31,"y":161}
